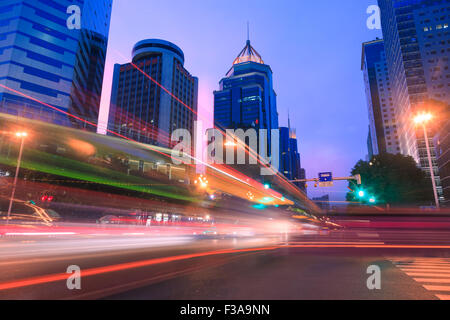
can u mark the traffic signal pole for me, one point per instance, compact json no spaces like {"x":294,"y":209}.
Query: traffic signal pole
{"x":357,"y":178}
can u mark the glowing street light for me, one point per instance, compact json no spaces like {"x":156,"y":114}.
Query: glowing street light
{"x":422,"y":119}
{"x":202,"y":182}
{"x":372,"y":200}
{"x":22,"y":135}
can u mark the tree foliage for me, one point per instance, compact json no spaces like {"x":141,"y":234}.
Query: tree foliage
{"x":393,"y":179}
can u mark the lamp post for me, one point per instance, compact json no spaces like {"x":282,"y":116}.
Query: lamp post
{"x":422,"y":120}
{"x":22,"y":136}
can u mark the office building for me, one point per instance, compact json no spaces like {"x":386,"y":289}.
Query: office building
{"x":290,"y":164}
{"x":442,"y":143}
{"x":42,"y":59}
{"x":246,"y":98}
{"x":417,"y":45}
{"x":383,"y":131}
{"x":323,"y":202}
{"x":154,"y":94}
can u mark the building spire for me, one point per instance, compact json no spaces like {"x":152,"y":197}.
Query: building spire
{"x":289,"y":121}
{"x":248,"y":32}
{"x":248,"y":54}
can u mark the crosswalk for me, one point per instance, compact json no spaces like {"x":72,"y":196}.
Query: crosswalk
{"x":432,"y":273}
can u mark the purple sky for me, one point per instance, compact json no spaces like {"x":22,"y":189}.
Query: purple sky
{"x":313,"y":48}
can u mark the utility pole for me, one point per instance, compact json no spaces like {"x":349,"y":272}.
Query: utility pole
{"x":22,"y":136}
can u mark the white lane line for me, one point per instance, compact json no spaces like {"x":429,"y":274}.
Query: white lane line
{"x":429,"y":268}
{"x":427,"y":274}
{"x":431,"y":280}
{"x":424,"y":270}
{"x":432,"y":273}
{"x":423,"y":262}
{"x":437,"y":288}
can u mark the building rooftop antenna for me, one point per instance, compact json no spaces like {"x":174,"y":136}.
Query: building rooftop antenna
{"x":248,"y":32}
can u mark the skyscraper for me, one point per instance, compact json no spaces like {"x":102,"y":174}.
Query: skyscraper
{"x":154,"y":94}
{"x":46,"y":59}
{"x":290,"y":164}
{"x":442,"y":143}
{"x":383,"y":131}
{"x":417,"y":45}
{"x":246,"y":98}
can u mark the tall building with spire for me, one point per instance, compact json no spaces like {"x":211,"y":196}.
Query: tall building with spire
{"x":246,"y":98}
{"x":290,"y":164}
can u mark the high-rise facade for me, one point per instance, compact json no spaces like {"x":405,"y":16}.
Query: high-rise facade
{"x":246,"y":98}
{"x":383,"y":130}
{"x":45,"y":58}
{"x":417,"y":44}
{"x":154,"y":94}
{"x":442,"y":143}
{"x":290,"y":164}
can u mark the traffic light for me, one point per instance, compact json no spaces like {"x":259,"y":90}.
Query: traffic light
{"x":266,"y":186}
{"x":361,"y":193}
{"x":372,"y":200}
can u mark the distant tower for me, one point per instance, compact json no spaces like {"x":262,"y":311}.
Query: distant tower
{"x":383,"y":130}
{"x":140,"y":108}
{"x":246,"y":98}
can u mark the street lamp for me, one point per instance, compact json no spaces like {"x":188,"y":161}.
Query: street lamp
{"x":422,"y":120}
{"x":22,"y":135}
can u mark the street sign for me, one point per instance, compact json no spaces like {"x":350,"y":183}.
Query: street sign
{"x":325,"y":179}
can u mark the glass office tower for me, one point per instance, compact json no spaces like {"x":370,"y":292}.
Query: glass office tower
{"x":381,"y":109}
{"x":246,"y":98}
{"x":42,"y":59}
{"x":417,"y":44}
{"x":154,"y":94}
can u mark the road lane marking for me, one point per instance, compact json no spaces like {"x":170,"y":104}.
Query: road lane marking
{"x":432,"y":280}
{"x":124,"y":266}
{"x":426,"y":274}
{"x":432,"y":273}
{"x":437,"y":288}
{"x":429,"y":268}
{"x":412,"y":270}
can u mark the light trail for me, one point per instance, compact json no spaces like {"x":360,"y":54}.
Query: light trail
{"x":121,"y":267}
{"x":146,"y":263}
{"x":127,"y":138}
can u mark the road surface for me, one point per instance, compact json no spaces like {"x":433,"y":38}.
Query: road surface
{"x":414,"y":264}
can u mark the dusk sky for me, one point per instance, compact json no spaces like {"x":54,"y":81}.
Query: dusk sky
{"x":313,"y":48}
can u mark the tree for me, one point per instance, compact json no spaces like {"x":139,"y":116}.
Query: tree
{"x":392,"y":179}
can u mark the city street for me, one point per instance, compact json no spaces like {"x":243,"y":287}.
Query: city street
{"x":415,"y":264}
{"x":223,"y":151}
